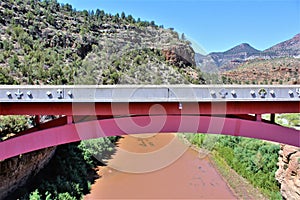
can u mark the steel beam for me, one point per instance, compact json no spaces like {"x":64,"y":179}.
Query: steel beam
{"x":146,"y":124}
{"x":139,"y":108}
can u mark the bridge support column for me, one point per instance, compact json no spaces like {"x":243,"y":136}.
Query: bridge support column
{"x":69,"y":119}
{"x":37,"y":120}
{"x":258,"y":117}
{"x":272,"y":118}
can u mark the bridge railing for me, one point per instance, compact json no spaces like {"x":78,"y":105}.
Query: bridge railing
{"x":148,"y":93}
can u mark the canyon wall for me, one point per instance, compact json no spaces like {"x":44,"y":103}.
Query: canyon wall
{"x":14,"y":172}
{"x":288,"y":174}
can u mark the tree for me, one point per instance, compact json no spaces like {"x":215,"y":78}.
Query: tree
{"x":50,"y":19}
{"x":35,"y":195}
{"x":85,"y":13}
{"x":130,"y":19}
{"x":68,"y":7}
{"x":14,"y":62}
{"x":123,"y":16}
{"x":183,"y":36}
{"x":91,"y":13}
{"x":54,"y":6}
{"x":97,"y":13}
{"x":101,"y":14}
{"x":65,"y":196}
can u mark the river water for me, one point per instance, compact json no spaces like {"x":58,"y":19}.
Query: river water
{"x":188,"y":175}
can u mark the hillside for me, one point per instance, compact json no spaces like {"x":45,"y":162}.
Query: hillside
{"x":287,"y":48}
{"x":244,"y":53}
{"x":43,"y":42}
{"x":274,"y":71}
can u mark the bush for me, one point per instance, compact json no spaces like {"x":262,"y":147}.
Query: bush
{"x":5,"y":78}
{"x":254,"y":159}
{"x":100,"y":148}
{"x":12,"y":124}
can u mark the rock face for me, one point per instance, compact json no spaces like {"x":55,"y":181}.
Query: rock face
{"x":288,"y":174}
{"x":179,"y":56}
{"x":231,"y":59}
{"x":16,"y":171}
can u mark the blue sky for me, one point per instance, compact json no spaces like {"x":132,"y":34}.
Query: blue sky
{"x":212,"y":25}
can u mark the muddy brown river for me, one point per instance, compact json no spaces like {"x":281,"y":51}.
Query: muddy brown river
{"x":187,"y":175}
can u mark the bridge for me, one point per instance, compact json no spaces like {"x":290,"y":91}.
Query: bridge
{"x":86,"y":112}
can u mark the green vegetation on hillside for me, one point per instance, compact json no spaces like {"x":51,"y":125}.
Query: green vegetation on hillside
{"x":44,"y":42}
{"x":265,"y":72}
{"x":140,"y":66}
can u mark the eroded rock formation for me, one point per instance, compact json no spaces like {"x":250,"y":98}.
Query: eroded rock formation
{"x":14,"y":172}
{"x":288,"y":174}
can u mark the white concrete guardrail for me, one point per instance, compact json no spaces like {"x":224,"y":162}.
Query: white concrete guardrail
{"x":148,"y":93}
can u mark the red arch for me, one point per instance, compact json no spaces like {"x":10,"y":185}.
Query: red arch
{"x":111,"y":127}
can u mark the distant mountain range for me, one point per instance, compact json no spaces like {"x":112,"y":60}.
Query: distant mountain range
{"x":228,"y":60}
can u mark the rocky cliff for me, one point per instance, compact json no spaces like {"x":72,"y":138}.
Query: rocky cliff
{"x":16,"y":171}
{"x":288,"y":174}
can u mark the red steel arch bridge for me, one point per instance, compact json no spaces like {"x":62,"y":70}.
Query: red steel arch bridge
{"x":85,"y":112}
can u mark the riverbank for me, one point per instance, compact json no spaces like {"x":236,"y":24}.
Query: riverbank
{"x":242,"y":188}
{"x":188,"y":177}
{"x":239,"y":185}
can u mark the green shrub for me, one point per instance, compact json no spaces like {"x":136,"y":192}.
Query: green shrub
{"x":35,"y":195}
{"x":12,"y":124}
